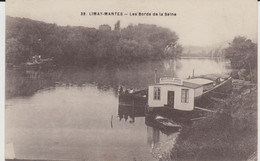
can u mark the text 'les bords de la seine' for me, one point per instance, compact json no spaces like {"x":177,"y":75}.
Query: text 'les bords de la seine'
{"x":128,"y":14}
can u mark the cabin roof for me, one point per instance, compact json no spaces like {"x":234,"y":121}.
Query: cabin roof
{"x":213,"y":77}
{"x":178,"y":82}
{"x":191,"y":85}
{"x":184,"y":84}
{"x":200,"y":81}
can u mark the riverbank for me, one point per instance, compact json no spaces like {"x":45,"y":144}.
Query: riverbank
{"x":230,"y":134}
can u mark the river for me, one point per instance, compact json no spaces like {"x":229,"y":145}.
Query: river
{"x":73,"y":113}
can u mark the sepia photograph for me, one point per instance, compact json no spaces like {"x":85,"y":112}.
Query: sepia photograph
{"x":147,"y":80}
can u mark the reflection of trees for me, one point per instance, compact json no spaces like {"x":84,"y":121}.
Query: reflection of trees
{"x":136,"y":75}
{"x":170,"y":67}
{"x":125,"y":112}
{"x":33,"y":74}
{"x":21,"y":83}
{"x":153,"y":136}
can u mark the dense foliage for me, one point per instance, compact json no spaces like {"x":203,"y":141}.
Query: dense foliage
{"x":242,"y":53}
{"x":230,"y":134}
{"x":84,"y":46}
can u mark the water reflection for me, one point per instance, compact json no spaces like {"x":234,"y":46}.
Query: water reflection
{"x":125,"y":112}
{"x":72,"y":119}
{"x":132,"y":104}
{"x":33,"y":74}
{"x":170,"y":67}
{"x":202,"y":67}
{"x":137,"y":76}
{"x":131,"y":112}
{"x":153,"y":136}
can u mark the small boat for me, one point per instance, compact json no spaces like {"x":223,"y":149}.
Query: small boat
{"x":167,"y":123}
{"x":33,"y":64}
{"x":36,"y":62}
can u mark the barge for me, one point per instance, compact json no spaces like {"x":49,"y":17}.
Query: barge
{"x":180,"y":97}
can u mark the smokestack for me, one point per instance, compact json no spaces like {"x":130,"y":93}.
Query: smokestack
{"x":155,"y":76}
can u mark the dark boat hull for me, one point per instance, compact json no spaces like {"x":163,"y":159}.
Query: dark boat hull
{"x":132,"y":105}
{"x":220,"y":91}
{"x":152,"y":122}
{"x":136,"y":99}
{"x":176,"y":115}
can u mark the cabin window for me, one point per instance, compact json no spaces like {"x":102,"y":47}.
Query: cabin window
{"x":157,"y":93}
{"x":185,"y":95}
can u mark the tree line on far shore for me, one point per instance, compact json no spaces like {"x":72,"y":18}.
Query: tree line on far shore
{"x":82,"y":46}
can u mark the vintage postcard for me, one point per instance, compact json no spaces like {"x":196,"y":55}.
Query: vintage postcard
{"x":131,"y":80}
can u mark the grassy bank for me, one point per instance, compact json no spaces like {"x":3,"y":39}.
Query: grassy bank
{"x":230,"y":134}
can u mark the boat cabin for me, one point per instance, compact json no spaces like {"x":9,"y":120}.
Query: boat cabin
{"x":174,"y":93}
{"x":180,"y":94}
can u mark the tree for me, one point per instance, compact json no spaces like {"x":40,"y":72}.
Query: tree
{"x":104,"y":27}
{"x":15,"y":52}
{"x":117,"y":26}
{"x":242,"y":53}
{"x":173,"y":50}
{"x":84,"y":46}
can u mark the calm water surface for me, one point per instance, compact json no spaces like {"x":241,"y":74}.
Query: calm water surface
{"x":75,"y":115}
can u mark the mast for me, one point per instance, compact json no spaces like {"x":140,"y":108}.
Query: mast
{"x":155,"y":75}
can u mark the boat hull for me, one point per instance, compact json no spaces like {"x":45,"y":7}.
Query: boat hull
{"x":152,"y":122}
{"x":220,"y":91}
{"x":136,"y":99}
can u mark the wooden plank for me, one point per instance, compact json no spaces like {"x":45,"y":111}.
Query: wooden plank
{"x":203,"y":109}
{"x":123,"y":104}
{"x":199,"y":118}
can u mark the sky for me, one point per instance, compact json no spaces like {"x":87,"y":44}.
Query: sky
{"x":197,"y":23}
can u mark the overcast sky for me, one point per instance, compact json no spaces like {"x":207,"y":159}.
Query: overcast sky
{"x":198,"y":22}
